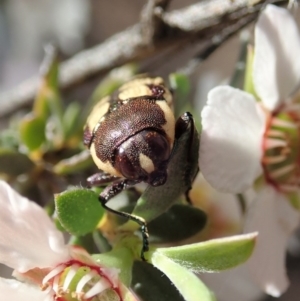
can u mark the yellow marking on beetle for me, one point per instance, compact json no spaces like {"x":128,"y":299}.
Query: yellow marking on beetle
{"x":169,"y":98}
{"x":142,"y":81}
{"x":146,"y":163}
{"x":100,"y":109}
{"x":169,"y":126}
{"x":138,"y":87}
{"x":106,"y":166}
{"x":135,"y":91}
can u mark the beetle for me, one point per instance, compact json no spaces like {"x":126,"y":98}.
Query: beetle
{"x":131,"y":136}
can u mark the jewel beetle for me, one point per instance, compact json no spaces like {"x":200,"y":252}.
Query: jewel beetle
{"x":131,"y":136}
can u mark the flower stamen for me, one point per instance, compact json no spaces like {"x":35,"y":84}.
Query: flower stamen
{"x":283,"y":123}
{"x":274,"y":159}
{"x":272,"y":143}
{"x":53,"y":273}
{"x":70,"y":276}
{"x":55,"y":284}
{"x":83,"y":281}
{"x":98,"y":288}
{"x":276,"y":134}
{"x":281,"y":149}
{"x":289,"y":188}
{"x":279,"y":172}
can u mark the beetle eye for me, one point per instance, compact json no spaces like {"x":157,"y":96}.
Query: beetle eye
{"x":144,"y":157}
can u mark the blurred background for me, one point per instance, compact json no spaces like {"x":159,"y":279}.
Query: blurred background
{"x":73,"y":25}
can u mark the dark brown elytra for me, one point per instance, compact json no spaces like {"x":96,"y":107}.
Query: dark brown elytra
{"x":138,"y":114}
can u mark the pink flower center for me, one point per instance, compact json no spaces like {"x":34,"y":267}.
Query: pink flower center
{"x":74,"y":280}
{"x":281,"y":146}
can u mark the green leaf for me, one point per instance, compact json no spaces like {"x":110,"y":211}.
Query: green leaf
{"x":48,"y":105}
{"x":78,"y":210}
{"x":14,"y":163}
{"x":178,"y":223}
{"x":47,"y":98}
{"x":9,"y":139}
{"x":213,"y":255}
{"x":187,"y":283}
{"x":180,"y":83}
{"x":151,"y":285}
{"x":32,"y":131}
{"x":73,"y":164}
{"x":71,"y":119}
{"x":182,"y":169}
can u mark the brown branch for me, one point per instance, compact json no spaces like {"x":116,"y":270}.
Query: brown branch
{"x":152,"y":24}
{"x":201,"y":22}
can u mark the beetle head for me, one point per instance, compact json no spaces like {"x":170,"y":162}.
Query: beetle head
{"x":144,"y":156}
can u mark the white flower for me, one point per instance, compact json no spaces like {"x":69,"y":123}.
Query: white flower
{"x":243,"y":139}
{"x":44,"y":266}
{"x":224,"y":216}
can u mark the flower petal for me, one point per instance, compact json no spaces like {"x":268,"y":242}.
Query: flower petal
{"x":275,"y":219}
{"x":230,"y":148}
{"x":276,"y":65}
{"x":233,"y":284}
{"x":28,"y":238}
{"x":17,"y":291}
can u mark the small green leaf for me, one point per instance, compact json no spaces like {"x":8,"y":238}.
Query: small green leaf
{"x":214,"y":255}
{"x":58,"y":225}
{"x":151,"y":284}
{"x":178,"y":223}
{"x":78,"y":210}
{"x":187,"y":283}
{"x":47,"y":98}
{"x":14,"y":163}
{"x":73,"y":164}
{"x":71,"y":119}
{"x":32,"y":131}
{"x":180,"y":83}
{"x":9,"y":139}
{"x":48,"y":105}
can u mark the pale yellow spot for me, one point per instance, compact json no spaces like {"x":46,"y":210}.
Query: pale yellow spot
{"x":169,"y":126}
{"x":100,"y":109}
{"x":168,"y":97}
{"x":135,"y":91}
{"x":142,"y":81}
{"x":105,"y":166}
{"x":146,"y":163}
{"x":138,"y":87}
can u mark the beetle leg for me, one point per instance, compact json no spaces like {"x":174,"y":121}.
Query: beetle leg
{"x":186,"y":123}
{"x":114,"y":189}
{"x":100,"y":178}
